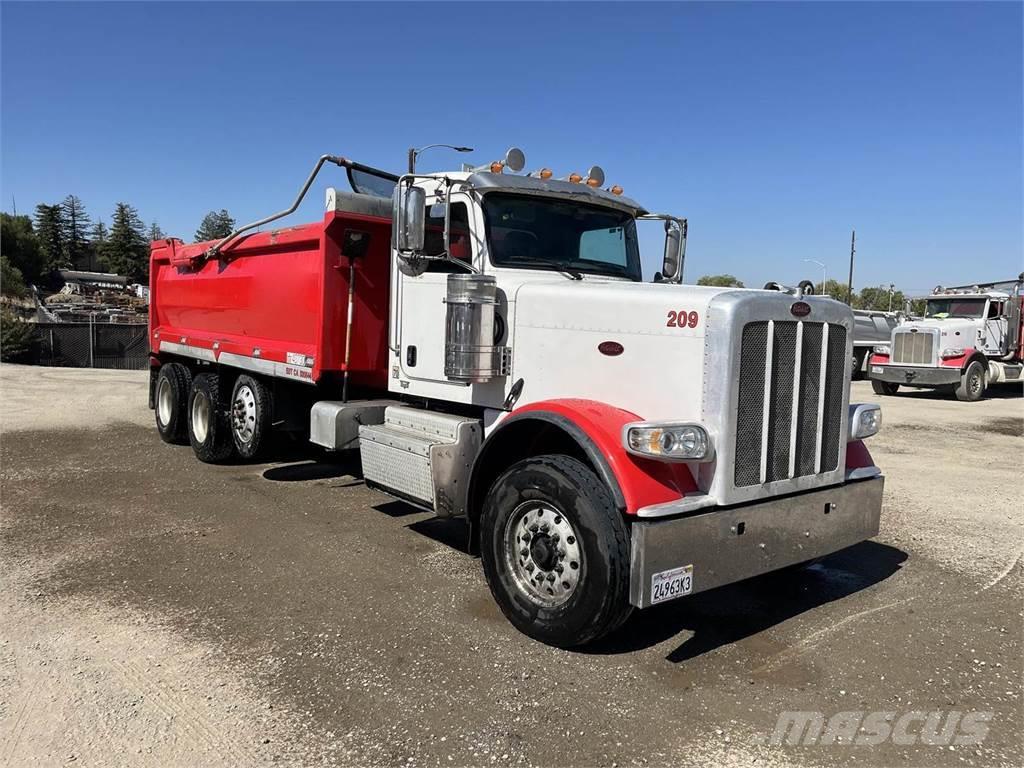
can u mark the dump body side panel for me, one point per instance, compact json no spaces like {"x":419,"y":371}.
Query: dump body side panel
{"x":277,"y":302}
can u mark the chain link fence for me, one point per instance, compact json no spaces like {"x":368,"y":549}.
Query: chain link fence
{"x":123,"y":346}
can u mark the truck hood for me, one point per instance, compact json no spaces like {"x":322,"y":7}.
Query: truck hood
{"x":952,"y":332}
{"x":655,"y":364}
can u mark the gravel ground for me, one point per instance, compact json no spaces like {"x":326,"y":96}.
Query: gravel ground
{"x":156,"y":611}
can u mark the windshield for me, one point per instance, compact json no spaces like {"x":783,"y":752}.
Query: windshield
{"x":545,"y":233}
{"x":954,"y":307}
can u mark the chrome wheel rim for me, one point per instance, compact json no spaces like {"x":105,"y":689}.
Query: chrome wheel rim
{"x":164,"y":402}
{"x":243,"y":413}
{"x":543,"y":553}
{"x":975,"y":383}
{"x":200,"y":417}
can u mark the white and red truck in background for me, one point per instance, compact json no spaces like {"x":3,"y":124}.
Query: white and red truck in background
{"x":969,"y":337}
{"x":486,"y":341}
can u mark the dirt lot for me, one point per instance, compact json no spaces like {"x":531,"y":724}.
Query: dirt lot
{"x":155,"y":611}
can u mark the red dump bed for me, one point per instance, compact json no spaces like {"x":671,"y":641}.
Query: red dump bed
{"x":277,"y":302}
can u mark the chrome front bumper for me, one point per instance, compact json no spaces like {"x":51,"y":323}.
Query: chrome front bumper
{"x":725,"y":545}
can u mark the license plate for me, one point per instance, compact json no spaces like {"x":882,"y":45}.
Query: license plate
{"x":876,"y":369}
{"x":668,"y":585}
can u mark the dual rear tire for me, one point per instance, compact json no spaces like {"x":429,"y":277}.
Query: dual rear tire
{"x":194,"y":409}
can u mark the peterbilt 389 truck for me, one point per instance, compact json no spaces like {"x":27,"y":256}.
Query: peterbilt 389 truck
{"x":486,"y":341}
{"x":969,"y":337}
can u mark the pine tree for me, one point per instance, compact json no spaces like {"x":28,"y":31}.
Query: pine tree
{"x":97,"y":244}
{"x":215,"y":225}
{"x":76,"y":225}
{"x":126,"y":250}
{"x":155,"y":233}
{"x":50,"y":231}
{"x":18,"y":243}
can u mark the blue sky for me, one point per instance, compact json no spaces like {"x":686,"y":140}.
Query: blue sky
{"x":775,"y":128}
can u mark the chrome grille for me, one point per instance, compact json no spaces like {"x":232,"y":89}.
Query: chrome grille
{"x":912,"y":348}
{"x":790,"y":401}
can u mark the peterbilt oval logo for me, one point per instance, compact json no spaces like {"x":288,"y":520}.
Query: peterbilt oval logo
{"x":800,"y":309}
{"x":610,"y":348}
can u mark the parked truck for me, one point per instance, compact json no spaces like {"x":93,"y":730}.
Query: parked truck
{"x":486,"y":342}
{"x":969,"y":337}
{"x":872,"y":331}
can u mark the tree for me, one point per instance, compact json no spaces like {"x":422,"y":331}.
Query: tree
{"x":16,"y":336}
{"x":722,"y":281}
{"x":50,"y":231}
{"x":155,"y":233}
{"x":832,"y":288}
{"x":215,"y":225}
{"x":98,"y":244}
{"x":125,"y":250}
{"x":18,"y":242}
{"x":878,"y":298}
{"x":76,"y":225}
{"x":12,"y":282}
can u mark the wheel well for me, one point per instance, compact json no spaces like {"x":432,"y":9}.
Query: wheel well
{"x":521,"y":438}
{"x":977,"y":356}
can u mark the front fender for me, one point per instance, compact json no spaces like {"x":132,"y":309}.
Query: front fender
{"x":596,"y":428}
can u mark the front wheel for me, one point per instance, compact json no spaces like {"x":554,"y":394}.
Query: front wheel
{"x":972,"y":383}
{"x":884,"y":387}
{"x":555,"y":551}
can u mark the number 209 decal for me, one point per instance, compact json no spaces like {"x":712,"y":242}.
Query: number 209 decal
{"x":682,"y":319}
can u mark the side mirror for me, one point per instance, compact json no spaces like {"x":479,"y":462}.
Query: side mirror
{"x":410,"y":213}
{"x":675,"y":242}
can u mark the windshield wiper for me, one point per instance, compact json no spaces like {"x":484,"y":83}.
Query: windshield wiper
{"x":562,"y":266}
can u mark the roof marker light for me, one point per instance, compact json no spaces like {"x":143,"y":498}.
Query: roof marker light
{"x":615,"y":190}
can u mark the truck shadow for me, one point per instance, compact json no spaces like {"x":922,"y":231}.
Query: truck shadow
{"x":1007,"y":390}
{"x":731,"y":613}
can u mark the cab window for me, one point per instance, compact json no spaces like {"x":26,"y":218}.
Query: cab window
{"x":433,"y":238}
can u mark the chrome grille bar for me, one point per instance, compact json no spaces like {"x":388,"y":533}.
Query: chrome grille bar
{"x":795,"y":417}
{"x":767,"y":399}
{"x":821,"y":397}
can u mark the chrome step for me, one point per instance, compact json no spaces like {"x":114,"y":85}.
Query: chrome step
{"x":422,"y":455}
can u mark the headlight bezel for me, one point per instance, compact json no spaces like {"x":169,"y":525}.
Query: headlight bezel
{"x":640,"y":446}
{"x":865,"y":420}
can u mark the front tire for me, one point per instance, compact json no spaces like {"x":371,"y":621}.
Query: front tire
{"x":209,"y":429}
{"x":252,"y":409}
{"x":884,"y":387}
{"x":555,"y":551}
{"x":972,"y":383}
{"x":170,"y":402}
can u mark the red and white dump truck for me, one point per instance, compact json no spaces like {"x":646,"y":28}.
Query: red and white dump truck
{"x":485,"y":340}
{"x":969,"y":337}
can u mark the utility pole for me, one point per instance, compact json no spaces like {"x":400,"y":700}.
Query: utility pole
{"x":891,"y":289}
{"x":853,"y":250}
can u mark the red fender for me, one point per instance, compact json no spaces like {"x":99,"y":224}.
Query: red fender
{"x":642,"y":481}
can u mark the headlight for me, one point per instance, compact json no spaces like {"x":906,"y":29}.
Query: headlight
{"x":952,"y":352}
{"x":881,"y":350}
{"x":865,"y":420}
{"x":669,"y":441}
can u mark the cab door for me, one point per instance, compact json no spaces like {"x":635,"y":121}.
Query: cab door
{"x":421,"y":307}
{"x":994,"y":335}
